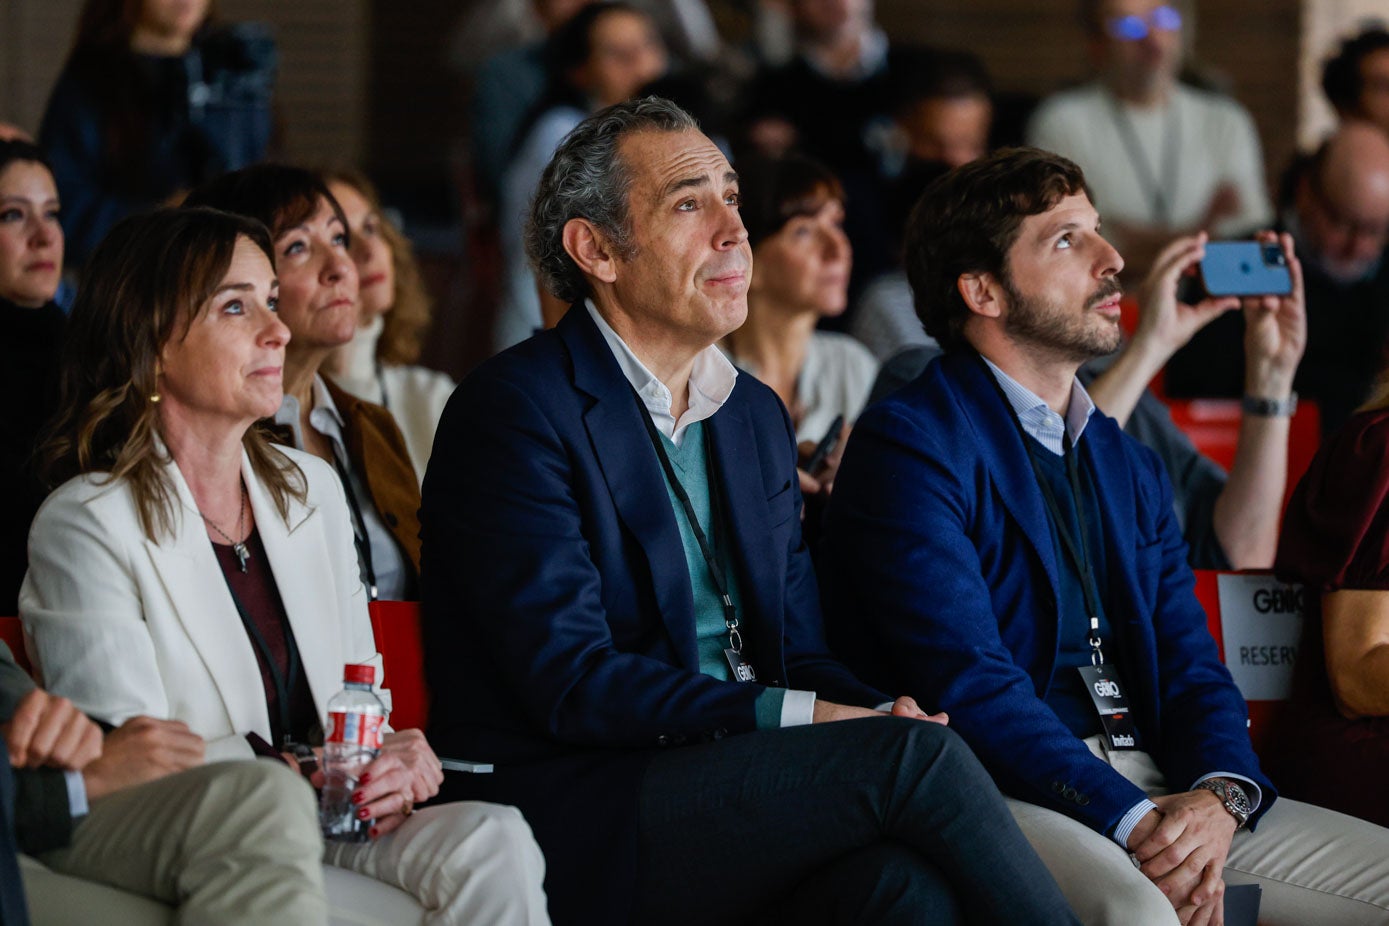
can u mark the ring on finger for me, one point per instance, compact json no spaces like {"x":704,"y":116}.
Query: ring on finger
{"x":407,"y":805}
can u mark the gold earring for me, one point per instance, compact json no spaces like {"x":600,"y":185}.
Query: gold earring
{"x":155,"y":398}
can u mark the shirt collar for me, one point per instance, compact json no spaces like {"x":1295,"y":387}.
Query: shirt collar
{"x":1036,"y":416}
{"x":325,"y":417}
{"x":711,"y":381}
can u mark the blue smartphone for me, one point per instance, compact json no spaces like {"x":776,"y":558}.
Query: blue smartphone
{"x":1245,"y":268}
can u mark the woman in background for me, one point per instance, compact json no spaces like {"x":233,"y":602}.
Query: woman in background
{"x":378,"y":364}
{"x":154,"y":99}
{"x":31,"y":261}
{"x":319,"y":302}
{"x":793,"y":208}
{"x":1330,"y":742}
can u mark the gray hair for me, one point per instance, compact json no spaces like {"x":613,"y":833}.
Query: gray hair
{"x":586,"y":179}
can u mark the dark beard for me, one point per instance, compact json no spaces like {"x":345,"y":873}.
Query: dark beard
{"x":1059,"y":331}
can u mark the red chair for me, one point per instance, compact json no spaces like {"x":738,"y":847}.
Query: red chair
{"x":1261,"y":664}
{"x":12,"y":633}
{"x":1213,"y":426}
{"x":396,"y":625}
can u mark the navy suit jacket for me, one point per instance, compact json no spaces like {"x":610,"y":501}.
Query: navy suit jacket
{"x":558,"y":612}
{"x":941,"y":581}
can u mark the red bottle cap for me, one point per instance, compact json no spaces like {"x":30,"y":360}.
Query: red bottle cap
{"x":360,"y":675}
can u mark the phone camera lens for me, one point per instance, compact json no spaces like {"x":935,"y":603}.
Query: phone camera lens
{"x":1273,"y":254}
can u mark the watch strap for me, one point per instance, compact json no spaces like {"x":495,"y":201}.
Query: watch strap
{"x":1265,"y":407}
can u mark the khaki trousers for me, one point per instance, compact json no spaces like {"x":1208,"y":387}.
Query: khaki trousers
{"x":230,"y":842}
{"x":466,"y":862}
{"x":1316,"y":866}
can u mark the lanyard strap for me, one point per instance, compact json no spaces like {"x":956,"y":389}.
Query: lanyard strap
{"x":1076,"y":549}
{"x":360,"y":538}
{"x":711,"y":559}
{"x":283,"y":686}
{"x":1171,"y":159}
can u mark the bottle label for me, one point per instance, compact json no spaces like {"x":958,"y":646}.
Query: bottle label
{"x":357,"y":729}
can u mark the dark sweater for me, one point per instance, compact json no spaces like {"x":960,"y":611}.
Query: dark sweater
{"x":29,"y":383}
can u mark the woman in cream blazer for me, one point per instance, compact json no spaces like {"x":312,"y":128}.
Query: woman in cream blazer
{"x":174,"y":350}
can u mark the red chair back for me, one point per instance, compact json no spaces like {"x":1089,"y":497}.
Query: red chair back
{"x":12,"y":633}
{"x":396,"y":625}
{"x":1256,"y":622}
{"x":1213,"y":426}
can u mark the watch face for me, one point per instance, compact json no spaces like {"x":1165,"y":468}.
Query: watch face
{"x":1236,"y":796}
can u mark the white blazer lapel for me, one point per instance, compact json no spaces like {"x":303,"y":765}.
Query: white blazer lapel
{"x":203,"y":605}
{"x":298,"y":558}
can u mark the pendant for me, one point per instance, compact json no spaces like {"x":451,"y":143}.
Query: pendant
{"x":242,"y":554}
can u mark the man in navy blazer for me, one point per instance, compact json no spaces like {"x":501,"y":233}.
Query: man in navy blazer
{"x":1001,"y":550}
{"x":620,"y":615}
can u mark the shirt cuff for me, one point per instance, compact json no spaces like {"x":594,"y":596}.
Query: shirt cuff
{"x":1251,"y":790}
{"x":1128,"y":821}
{"x":885,"y":707}
{"x":797,"y":708}
{"x":77,"y":794}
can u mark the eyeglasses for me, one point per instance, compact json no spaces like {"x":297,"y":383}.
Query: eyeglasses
{"x":1137,"y":28}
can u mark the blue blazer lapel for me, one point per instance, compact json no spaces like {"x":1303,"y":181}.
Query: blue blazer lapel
{"x":633,"y":476}
{"x":1005,"y":455}
{"x":735,"y":459}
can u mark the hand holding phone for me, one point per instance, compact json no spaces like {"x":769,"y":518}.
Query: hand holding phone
{"x":827,"y":445}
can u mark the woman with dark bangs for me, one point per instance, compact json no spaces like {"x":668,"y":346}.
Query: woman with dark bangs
{"x":793,"y":208}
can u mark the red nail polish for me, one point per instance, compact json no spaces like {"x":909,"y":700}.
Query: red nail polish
{"x":357,"y":797}
{"x":373,"y":832}
{"x":365,"y":778}
{"x":363,"y":814}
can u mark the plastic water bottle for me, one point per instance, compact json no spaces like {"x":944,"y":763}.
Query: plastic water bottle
{"x":355,"y":715}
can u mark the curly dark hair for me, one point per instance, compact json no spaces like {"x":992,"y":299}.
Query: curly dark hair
{"x":966,"y":222}
{"x":1341,"y":79}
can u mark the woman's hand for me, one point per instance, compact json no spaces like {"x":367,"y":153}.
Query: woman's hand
{"x":407,"y":772}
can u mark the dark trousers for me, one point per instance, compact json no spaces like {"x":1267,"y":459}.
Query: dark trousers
{"x":12,"y":910}
{"x":881,"y":820}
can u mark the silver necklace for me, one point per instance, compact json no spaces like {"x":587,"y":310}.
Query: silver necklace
{"x":239,"y":548}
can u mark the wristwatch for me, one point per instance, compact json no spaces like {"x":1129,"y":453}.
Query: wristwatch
{"x":1231,"y":794}
{"x":1264,"y":407}
{"x":305,"y":756}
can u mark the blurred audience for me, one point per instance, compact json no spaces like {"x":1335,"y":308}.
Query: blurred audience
{"x":1330,"y":743}
{"x":244,"y":602}
{"x":31,"y":261}
{"x":793,"y":208}
{"x":1163,"y":159}
{"x":506,"y":88}
{"x":378,"y":364}
{"x":1356,"y":78}
{"x":319,"y":301}
{"x":833,"y":101}
{"x":603,"y":55}
{"x":154,"y":99}
{"x":1336,"y":207}
{"x":944,"y":105}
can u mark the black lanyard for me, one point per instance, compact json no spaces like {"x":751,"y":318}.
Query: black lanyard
{"x":1156,"y":192}
{"x":711,"y":559}
{"x":1077,"y":549}
{"x":360,"y":537}
{"x":284,"y":686}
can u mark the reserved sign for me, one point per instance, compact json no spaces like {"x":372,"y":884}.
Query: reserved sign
{"x":1261,"y":621}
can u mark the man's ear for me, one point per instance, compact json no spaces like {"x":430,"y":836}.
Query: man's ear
{"x":590,"y":249}
{"x":981,"y":294}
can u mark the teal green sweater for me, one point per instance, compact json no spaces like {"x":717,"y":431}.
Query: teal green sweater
{"x":691,"y":465}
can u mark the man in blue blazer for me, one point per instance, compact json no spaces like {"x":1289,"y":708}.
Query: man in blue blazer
{"x":1003,"y":552}
{"x":620,"y":615}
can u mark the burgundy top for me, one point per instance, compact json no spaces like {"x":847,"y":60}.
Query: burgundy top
{"x":1335,"y":536}
{"x":259,"y":596}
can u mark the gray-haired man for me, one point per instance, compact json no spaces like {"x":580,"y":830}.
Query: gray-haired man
{"x":620,"y":613}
